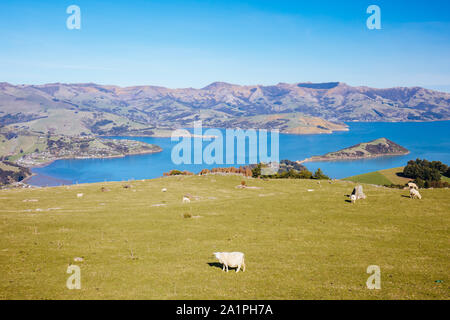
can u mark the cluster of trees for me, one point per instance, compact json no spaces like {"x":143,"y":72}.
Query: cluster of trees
{"x":427,"y":174}
{"x":287,"y":165}
{"x":246,"y":171}
{"x":288,"y":170}
{"x":177,"y":173}
{"x":9,"y":176}
{"x":291,"y":174}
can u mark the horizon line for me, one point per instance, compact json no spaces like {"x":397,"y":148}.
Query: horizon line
{"x":229,"y":84}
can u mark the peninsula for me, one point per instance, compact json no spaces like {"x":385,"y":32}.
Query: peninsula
{"x":377,"y":148}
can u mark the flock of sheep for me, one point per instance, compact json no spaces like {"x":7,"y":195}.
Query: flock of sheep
{"x":358,"y":193}
{"x":236,"y":259}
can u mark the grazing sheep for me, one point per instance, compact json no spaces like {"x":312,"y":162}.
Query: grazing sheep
{"x":412,"y":185}
{"x":353,"y":198}
{"x":80,"y":195}
{"x":163,"y":190}
{"x":413,"y":193}
{"x":231,"y":259}
{"x":186,"y":200}
{"x":358,"y":192}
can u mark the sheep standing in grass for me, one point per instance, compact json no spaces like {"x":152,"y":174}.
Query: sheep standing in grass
{"x":413,"y":193}
{"x":231,"y":259}
{"x":358,"y":193}
{"x":80,"y":195}
{"x":412,"y":185}
{"x":186,"y":200}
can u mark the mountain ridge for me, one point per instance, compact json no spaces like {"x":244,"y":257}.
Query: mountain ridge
{"x":219,"y":104}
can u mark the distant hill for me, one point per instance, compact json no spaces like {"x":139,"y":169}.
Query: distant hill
{"x":30,"y":149}
{"x":387,"y":177}
{"x":376,"y":148}
{"x":146,"y":110}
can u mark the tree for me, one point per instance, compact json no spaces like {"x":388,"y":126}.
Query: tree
{"x":420,"y":183}
{"x":424,"y":169}
{"x":447,"y":173}
{"x":305,"y":174}
{"x":256,"y":172}
{"x":442,"y":168}
{"x":319,"y":175}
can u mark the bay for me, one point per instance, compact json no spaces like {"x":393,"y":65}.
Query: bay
{"x":429,"y":140}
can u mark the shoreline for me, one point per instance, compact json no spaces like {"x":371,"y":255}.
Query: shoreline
{"x":318,"y":133}
{"x":49,"y":162}
{"x":162,"y":135}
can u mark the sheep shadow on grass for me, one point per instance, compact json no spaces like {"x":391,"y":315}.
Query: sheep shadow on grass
{"x":348,"y":196}
{"x":215,"y":265}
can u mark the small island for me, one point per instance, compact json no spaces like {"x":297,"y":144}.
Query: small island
{"x":377,"y":148}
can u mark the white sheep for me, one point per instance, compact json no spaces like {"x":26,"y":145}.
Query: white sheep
{"x":231,"y":259}
{"x":80,"y":195}
{"x":358,"y":192}
{"x":163,"y":190}
{"x":413,"y":193}
{"x":412,"y":185}
{"x":186,"y":200}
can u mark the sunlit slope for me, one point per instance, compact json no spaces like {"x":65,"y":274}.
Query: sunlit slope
{"x":382,"y":177}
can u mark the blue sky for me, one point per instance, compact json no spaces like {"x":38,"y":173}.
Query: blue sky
{"x":193,"y":43}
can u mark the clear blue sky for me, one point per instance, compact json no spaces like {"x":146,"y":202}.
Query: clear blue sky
{"x":191,"y":43}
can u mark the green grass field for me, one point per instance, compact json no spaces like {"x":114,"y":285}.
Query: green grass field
{"x":394,"y":175}
{"x":382,"y":177}
{"x":137,"y":244}
{"x":385,"y":177}
{"x":371,"y":178}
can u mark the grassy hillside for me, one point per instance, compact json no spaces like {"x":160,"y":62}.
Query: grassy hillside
{"x":382,"y":177}
{"x":385,"y":177}
{"x":136,"y":242}
{"x":292,"y":123}
{"x":73,"y":122}
{"x":371,"y":178}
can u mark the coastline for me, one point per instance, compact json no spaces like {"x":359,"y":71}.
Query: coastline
{"x":48,"y":162}
{"x":162,"y":135}
{"x":314,"y":133}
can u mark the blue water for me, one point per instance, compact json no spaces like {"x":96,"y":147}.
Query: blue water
{"x":428,"y":140}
